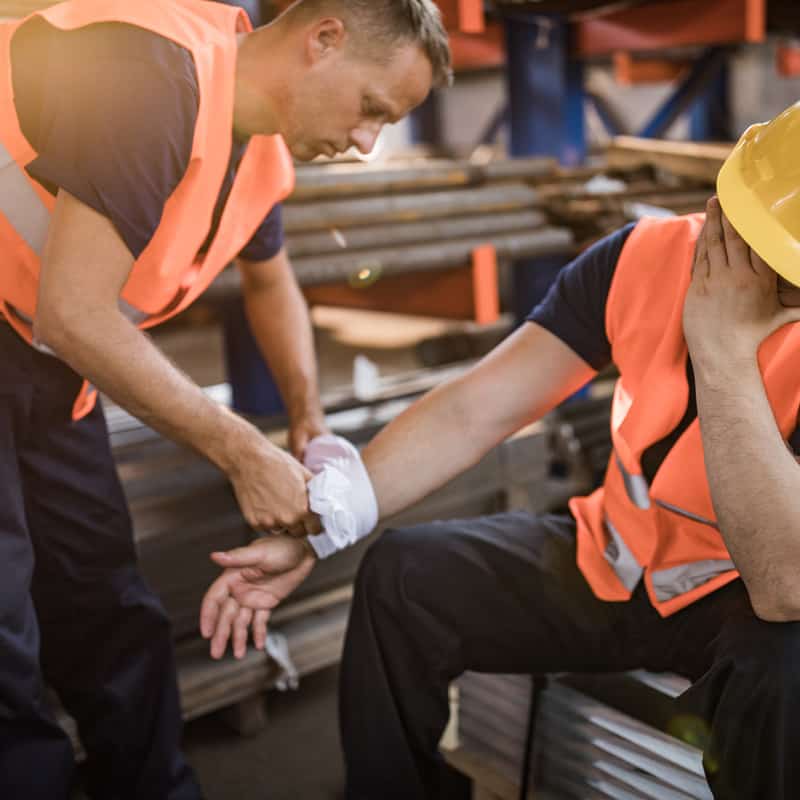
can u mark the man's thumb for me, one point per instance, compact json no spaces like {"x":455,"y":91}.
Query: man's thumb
{"x":240,"y":557}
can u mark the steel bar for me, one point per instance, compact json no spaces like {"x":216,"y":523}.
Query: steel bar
{"x":340,"y":180}
{"x":408,"y":207}
{"x":372,"y":264}
{"x":361,"y":238}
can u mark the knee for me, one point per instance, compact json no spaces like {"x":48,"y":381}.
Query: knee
{"x":400,"y":556}
{"x":765,"y":656}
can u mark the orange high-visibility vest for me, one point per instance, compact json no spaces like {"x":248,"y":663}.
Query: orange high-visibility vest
{"x":170,"y":273}
{"x":665,"y":533}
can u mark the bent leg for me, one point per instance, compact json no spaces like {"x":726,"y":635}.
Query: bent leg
{"x":499,"y":594}
{"x":749,"y":697}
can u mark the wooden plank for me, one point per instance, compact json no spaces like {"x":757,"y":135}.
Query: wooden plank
{"x":701,"y":161}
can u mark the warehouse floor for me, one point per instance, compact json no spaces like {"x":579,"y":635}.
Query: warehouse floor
{"x":296,"y":756}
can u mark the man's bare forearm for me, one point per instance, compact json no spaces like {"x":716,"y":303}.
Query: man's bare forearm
{"x":123,"y":363}
{"x":453,"y":427}
{"x":279,"y":318}
{"x":755,"y":485}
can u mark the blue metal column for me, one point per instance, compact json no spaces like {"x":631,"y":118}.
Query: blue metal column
{"x":710,"y":117}
{"x":545,"y":89}
{"x":546,"y":98}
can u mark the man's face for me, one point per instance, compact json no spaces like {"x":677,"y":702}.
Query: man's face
{"x":344,"y":100}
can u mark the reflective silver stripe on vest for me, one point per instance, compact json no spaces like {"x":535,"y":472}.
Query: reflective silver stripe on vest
{"x":621,"y":558}
{"x":635,"y":486}
{"x":687,"y":514}
{"x":20,"y":204}
{"x":669,"y":583}
{"x":135,"y":315}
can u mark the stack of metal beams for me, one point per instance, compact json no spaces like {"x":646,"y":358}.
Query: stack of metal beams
{"x":584,"y":748}
{"x":355,"y":223}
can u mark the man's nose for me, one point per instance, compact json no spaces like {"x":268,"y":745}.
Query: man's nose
{"x":363,"y":139}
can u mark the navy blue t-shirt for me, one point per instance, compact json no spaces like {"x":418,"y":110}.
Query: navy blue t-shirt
{"x":111,"y":109}
{"x":574,"y":310}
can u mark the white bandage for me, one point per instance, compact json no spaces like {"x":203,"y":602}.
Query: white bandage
{"x":340,"y":493}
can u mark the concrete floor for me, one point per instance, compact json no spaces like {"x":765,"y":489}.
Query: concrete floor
{"x":296,"y":756}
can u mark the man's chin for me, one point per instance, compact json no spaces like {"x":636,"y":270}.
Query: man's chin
{"x":302,"y":152}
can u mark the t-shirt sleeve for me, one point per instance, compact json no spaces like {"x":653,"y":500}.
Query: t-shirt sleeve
{"x":574,"y":308}
{"x":267,"y":240}
{"x":116,"y":122}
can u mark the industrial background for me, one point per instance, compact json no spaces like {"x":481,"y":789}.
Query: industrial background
{"x":568,"y":119}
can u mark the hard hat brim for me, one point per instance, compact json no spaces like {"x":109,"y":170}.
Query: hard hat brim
{"x":761,"y":230}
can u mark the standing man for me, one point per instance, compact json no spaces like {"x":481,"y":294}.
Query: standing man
{"x":686,"y":559}
{"x":144,"y":145}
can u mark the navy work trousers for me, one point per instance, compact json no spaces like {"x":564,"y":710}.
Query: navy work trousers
{"x":74,"y":611}
{"x":503,"y":594}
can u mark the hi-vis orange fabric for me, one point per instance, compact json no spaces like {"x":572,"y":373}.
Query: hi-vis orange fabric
{"x":170,"y":273}
{"x":665,"y":532}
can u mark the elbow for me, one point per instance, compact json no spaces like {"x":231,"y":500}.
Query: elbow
{"x":46,"y":328}
{"x":54,"y":328}
{"x":781,"y":603}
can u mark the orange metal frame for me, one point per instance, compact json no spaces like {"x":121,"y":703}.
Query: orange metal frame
{"x":677,"y":23}
{"x":629,"y":70}
{"x":463,"y":15}
{"x":468,"y":293}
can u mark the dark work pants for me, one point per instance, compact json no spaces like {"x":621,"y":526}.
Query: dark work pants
{"x":74,"y":611}
{"x":503,"y":594}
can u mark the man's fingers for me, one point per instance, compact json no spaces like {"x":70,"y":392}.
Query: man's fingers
{"x":715,"y":240}
{"x":249,"y":556}
{"x":260,"y":619}
{"x":214,"y":598}
{"x":737,"y":249}
{"x":223,"y":630}
{"x":241,"y":626}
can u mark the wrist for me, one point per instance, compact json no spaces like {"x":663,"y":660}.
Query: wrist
{"x":723,"y":357}
{"x":722,"y":371}
{"x":233,"y":437}
{"x":305,"y":407}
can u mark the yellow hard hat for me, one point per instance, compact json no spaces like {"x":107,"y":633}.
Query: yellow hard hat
{"x":759,"y":191}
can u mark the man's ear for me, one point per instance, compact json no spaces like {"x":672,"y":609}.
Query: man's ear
{"x":325,"y":37}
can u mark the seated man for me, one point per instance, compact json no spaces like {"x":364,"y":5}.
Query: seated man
{"x":685,"y":560}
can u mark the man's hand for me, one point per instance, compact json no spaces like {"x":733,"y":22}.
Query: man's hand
{"x":304,"y":428}
{"x":732,"y":304}
{"x":256,"y":579}
{"x":270,"y":485}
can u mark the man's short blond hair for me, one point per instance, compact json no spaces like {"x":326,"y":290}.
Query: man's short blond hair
{"x":380,"y":26}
